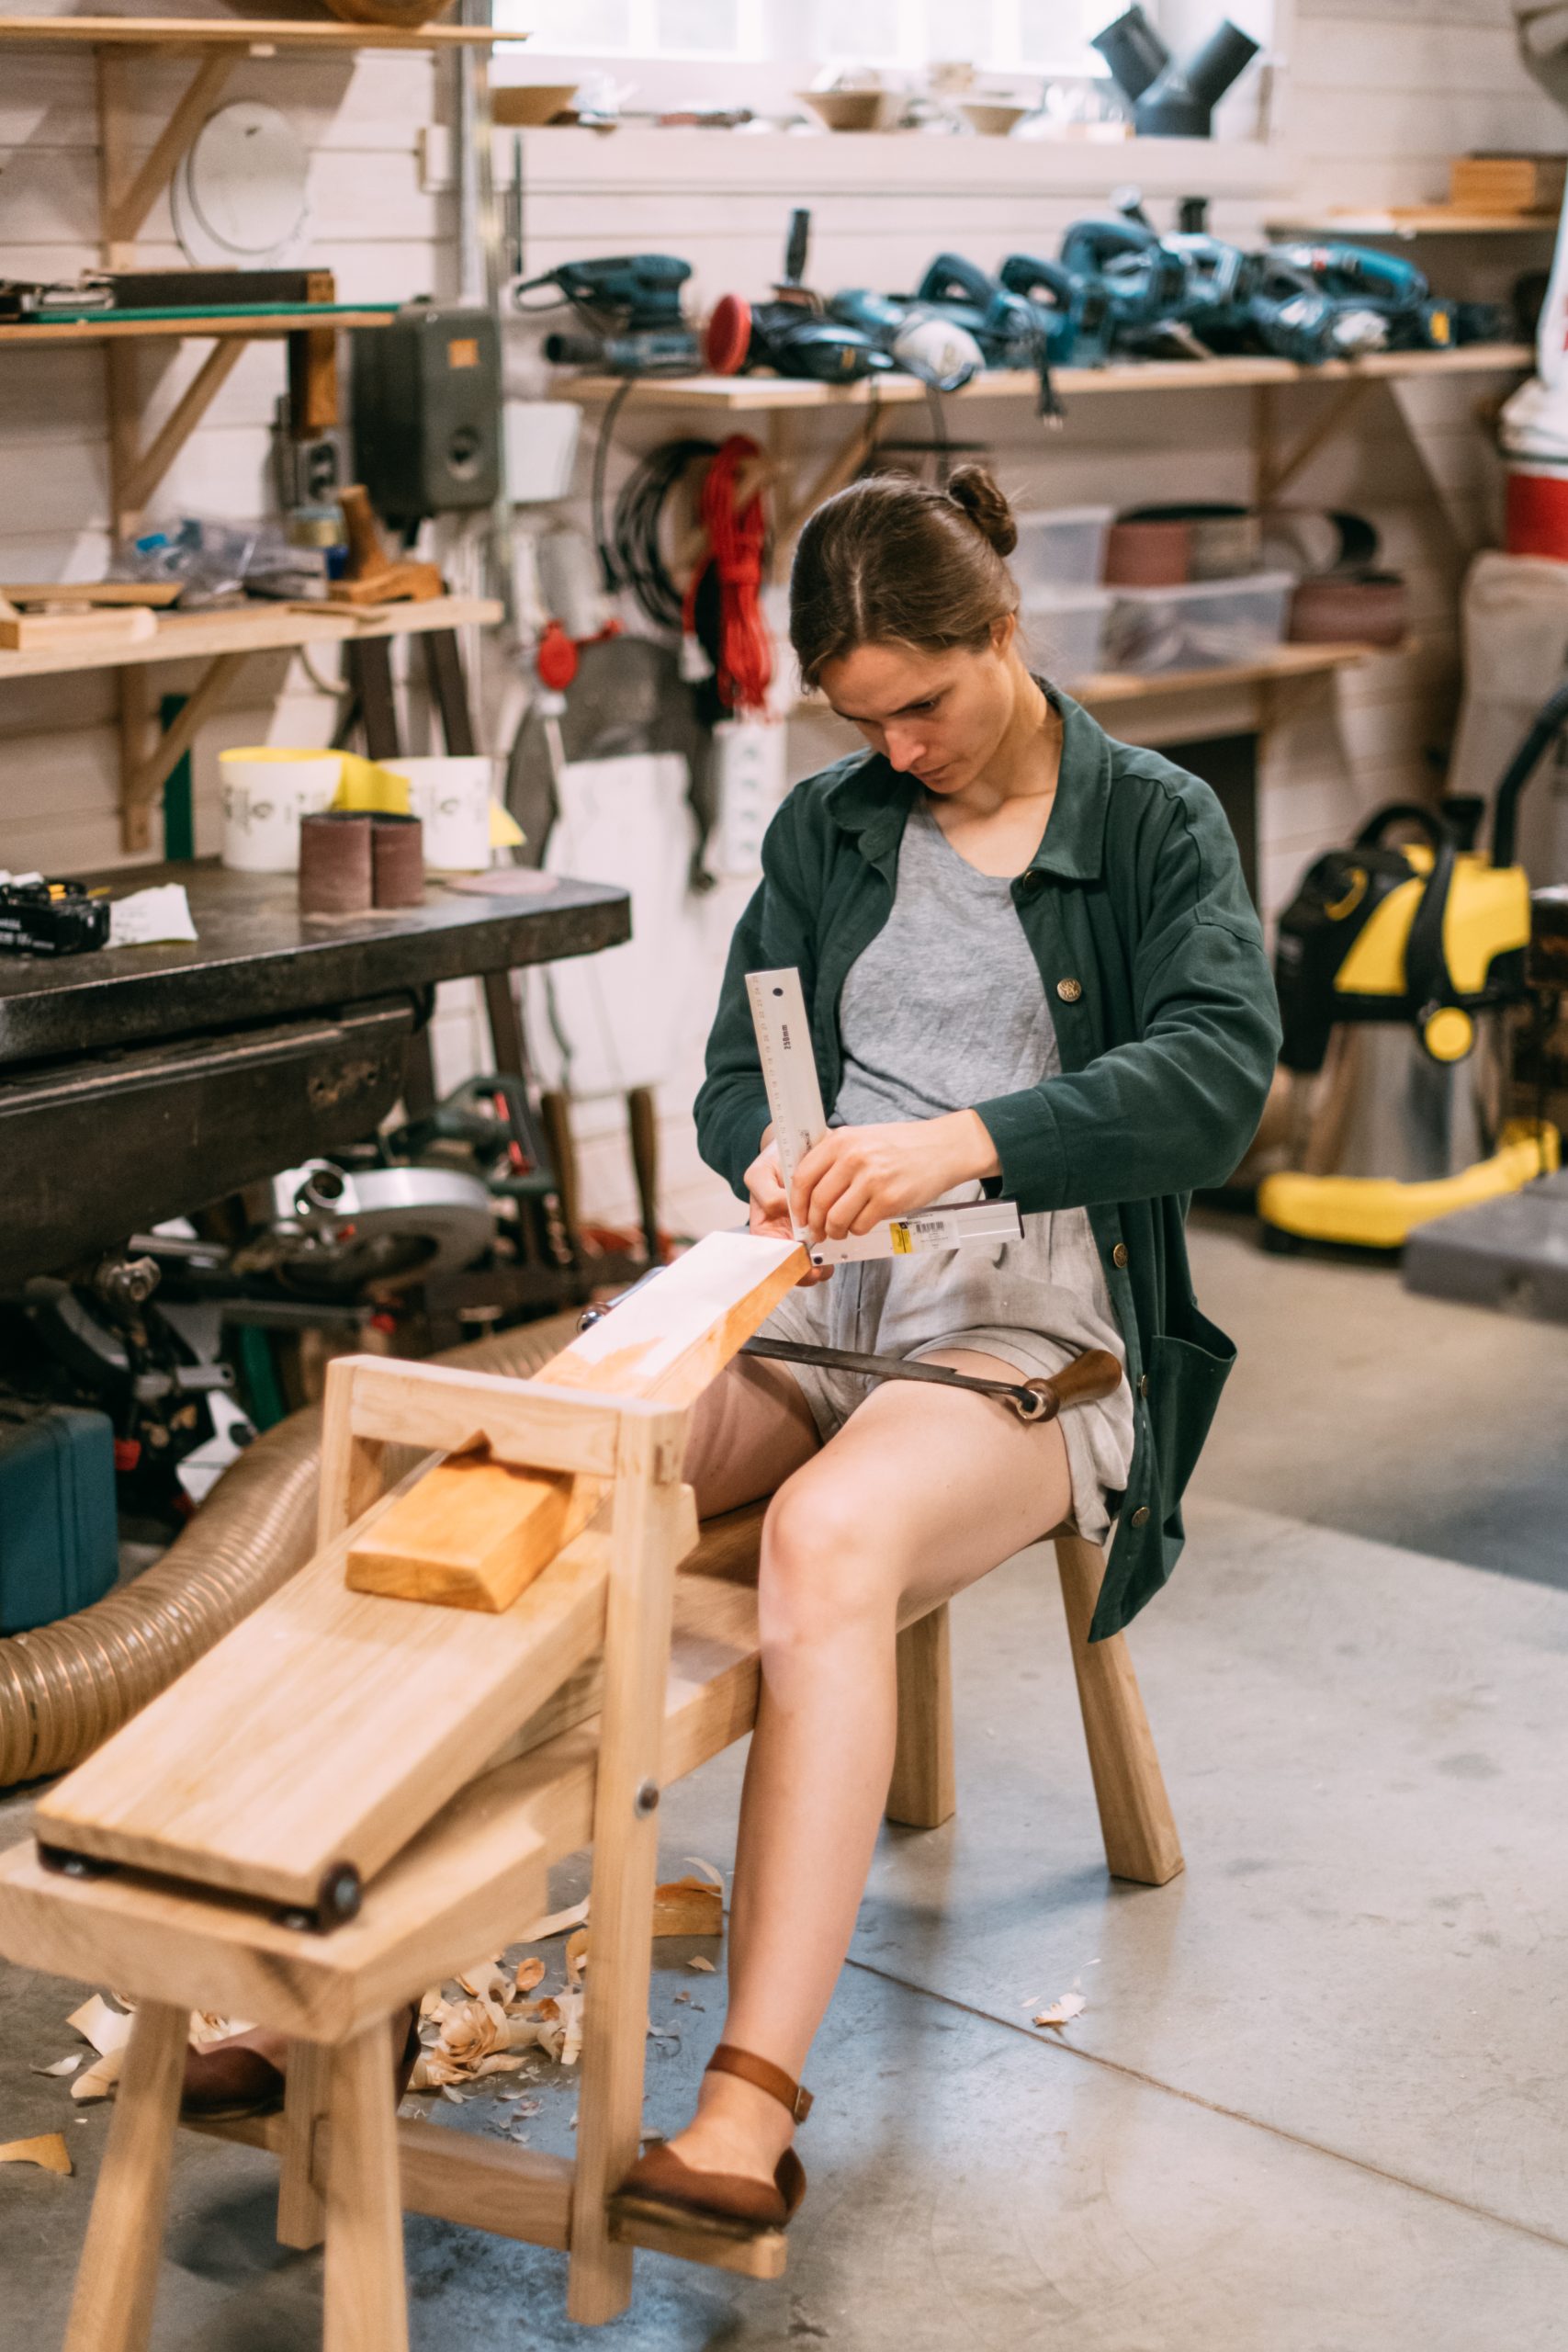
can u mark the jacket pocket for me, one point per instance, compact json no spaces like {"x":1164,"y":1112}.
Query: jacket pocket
{"x":1187,"y":1375}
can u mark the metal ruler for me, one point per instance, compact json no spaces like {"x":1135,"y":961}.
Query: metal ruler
{"x":794,"y":1099}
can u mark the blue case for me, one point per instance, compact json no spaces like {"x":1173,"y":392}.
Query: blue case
{"x":58,"y":1535}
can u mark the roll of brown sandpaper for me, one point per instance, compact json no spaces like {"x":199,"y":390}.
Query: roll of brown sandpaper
{"x":334,"y":862}
{"x":396,"y":861}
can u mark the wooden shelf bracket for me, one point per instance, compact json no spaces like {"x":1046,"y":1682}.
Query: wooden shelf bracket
{"x":127,"y":192}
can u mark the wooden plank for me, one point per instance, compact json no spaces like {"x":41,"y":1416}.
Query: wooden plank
{"x":626,"y":1857}
{"x":89,"y":592}
{"x":104,"y":327}
{"x":329,"y":1726}
{"x":367,"y":2304}
{"x":111,"y":2309}
{"x":469,"y":1883}
{"x":84,"y":634}
{"x":923,"y":1793}
{"x":1141,"y":1842}
{"x":474,"y":1535}
{"x":200,"y":637}
{"x":258,"y":35}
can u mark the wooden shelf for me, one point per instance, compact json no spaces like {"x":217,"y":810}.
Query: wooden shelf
{"x":736,"y":394}
{"x":258,"y":628}
{"x":254,"y":327}
{"x":1420,"y":220}
{"x":259,"y":36}
{"x":1280,"y":664}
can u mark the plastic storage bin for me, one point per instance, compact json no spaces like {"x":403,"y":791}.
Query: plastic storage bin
{"x":1203,"y":624}
{"x":1064,"y":635}
{"x":59,"y":1539}
{"x":1060,"y":550}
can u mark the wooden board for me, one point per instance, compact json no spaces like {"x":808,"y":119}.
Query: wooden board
{"x":267,"y":629}
{"x":332,"y":1724}
{"x":474,"y":1535}
{"x":96,"y":631}
{"x":470,"y":1883}
{"x":258,"y":34}
{"x":90,"y":591}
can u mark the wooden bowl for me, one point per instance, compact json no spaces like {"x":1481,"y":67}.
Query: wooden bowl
{"x":992,"y":118}
{"x":845,"y":109}
{"x":404,"y":14}
{"x":522,"y":106}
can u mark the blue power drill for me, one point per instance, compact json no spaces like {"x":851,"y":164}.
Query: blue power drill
{"x":630,"y":304}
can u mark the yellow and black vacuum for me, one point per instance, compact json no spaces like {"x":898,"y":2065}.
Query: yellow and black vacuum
{"x":1394,"y":963}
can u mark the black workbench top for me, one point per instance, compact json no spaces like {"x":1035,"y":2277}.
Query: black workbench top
{"x":259,"y":957}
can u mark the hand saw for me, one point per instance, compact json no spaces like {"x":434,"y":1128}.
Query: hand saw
{"x":794,"y":1099}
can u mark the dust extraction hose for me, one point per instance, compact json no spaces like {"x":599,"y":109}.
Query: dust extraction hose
{"x":66,"y":1687}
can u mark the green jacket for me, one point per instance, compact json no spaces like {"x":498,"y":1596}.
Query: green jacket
{"x":1164,"y":1008}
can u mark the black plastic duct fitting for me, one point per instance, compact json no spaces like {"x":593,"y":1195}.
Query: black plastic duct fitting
{"x":1169,"y":100}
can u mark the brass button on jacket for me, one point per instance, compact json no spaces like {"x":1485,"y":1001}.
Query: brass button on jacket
{"x":1141,"y":1516}
{"x":1118,"y":1255}
{"x":1031,"y":880}
{"x":1069,"y":991}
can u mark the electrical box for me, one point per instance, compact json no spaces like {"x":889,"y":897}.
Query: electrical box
{"x":59,"y":1536}
{"x":427,"y":411}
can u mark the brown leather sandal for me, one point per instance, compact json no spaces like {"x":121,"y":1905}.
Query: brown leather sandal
{"x":233,"y":2080}
{"x":660,"y":2177}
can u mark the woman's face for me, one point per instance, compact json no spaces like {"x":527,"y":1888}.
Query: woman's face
{"x":939,"y":717}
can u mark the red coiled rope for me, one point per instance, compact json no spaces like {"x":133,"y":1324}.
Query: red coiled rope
{"x":735,"y":538}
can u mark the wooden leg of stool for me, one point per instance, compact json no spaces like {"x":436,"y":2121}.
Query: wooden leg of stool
{"x":922,"y":1795}
{"x":1141,"y":1842}
{"x":625,"y":1855}
{"x":112,"y":2308}
{"x":366,"y":2296}
{"x":301,"y":2214}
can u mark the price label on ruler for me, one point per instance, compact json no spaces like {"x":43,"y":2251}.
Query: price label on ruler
{"x":794,"y":1100}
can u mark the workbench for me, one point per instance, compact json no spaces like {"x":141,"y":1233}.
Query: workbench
{"x":137,"y":1083}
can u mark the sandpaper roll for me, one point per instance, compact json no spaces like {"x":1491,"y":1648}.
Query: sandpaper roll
{"x":334,"y":862}
{"x":397,"y":860}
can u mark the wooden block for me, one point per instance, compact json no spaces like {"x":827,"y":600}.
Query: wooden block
{"x":151,"y":593}
{"x":475,"y":1542}
{"x":86,"y":632}
{"x":474,"y":1535}
{"x":1139,"y":1828}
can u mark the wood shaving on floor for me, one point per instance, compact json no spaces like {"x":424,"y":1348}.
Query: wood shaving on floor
{"x":49,"y":2151}
{"x":1062,"y":2012}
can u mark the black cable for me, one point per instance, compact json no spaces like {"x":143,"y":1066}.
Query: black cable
{"x":635,"y":549}
{"x":596,"y":488}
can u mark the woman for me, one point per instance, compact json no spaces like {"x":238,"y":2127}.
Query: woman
{"x":1032,"y":967}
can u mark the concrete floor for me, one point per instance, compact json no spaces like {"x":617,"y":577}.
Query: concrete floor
{"x":1318,"y":2099}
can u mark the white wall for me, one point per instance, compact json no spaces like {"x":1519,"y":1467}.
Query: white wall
{"x":1374,"y":99}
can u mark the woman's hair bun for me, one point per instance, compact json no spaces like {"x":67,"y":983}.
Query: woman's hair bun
{"x":977,"y":491}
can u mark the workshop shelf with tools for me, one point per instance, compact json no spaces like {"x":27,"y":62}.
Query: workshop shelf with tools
{"x":409,"y":424}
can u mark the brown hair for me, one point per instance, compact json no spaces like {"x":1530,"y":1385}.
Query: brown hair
{"x":890,"y":561}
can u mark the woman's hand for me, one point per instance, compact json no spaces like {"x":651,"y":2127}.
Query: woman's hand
{"x":770,"y":1203}
{"x":856,"y":1176}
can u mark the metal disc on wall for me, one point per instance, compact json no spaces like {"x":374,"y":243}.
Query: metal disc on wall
{"x":239,"y":195}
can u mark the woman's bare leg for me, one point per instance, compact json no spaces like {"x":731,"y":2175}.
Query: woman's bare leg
{"x":923,"y":1491}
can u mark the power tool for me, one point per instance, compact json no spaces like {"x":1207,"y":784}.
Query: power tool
{"x":795,"y":334}
{"x":39,"y":917}
{"x":1010,"y":330}
{"x":1293,"y":318}
{"x":1360,"y":276}
{"x":1406,"y":947}
{"x":1143,"y":283}
{"x":630,"y":305}
{"x":1071,"y":311}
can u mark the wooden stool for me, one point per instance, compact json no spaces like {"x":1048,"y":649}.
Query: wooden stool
{"x":1135,"y":1818}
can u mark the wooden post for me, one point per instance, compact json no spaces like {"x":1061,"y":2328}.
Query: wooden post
{"x":351,"y":1474}
{"x":366,"y":2296}
{"x":112,"y":2308}
{"x":301,"y":2210}
{"x":923,"y":1794}
{"x":1141,"y":1842}
{"x":625,"y":1852}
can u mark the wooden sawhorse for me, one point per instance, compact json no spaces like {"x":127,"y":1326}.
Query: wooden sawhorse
{"x":674,"y":1683}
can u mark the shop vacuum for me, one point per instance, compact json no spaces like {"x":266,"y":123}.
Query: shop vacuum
{"x":1395,"y":964}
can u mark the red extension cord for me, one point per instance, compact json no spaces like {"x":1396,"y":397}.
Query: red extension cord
{"x":736,"y":538}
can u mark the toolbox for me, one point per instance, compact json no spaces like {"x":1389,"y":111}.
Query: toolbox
{"x":59,"y":1539}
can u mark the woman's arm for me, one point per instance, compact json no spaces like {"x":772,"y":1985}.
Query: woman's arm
{"x":1176,"y":1110}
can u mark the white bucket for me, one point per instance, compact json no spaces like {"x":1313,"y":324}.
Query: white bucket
{"x":266,"y":792}
{"x":451,"y":797}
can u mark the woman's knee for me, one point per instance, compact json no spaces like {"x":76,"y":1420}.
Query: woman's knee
{"x":825,"y":1567}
